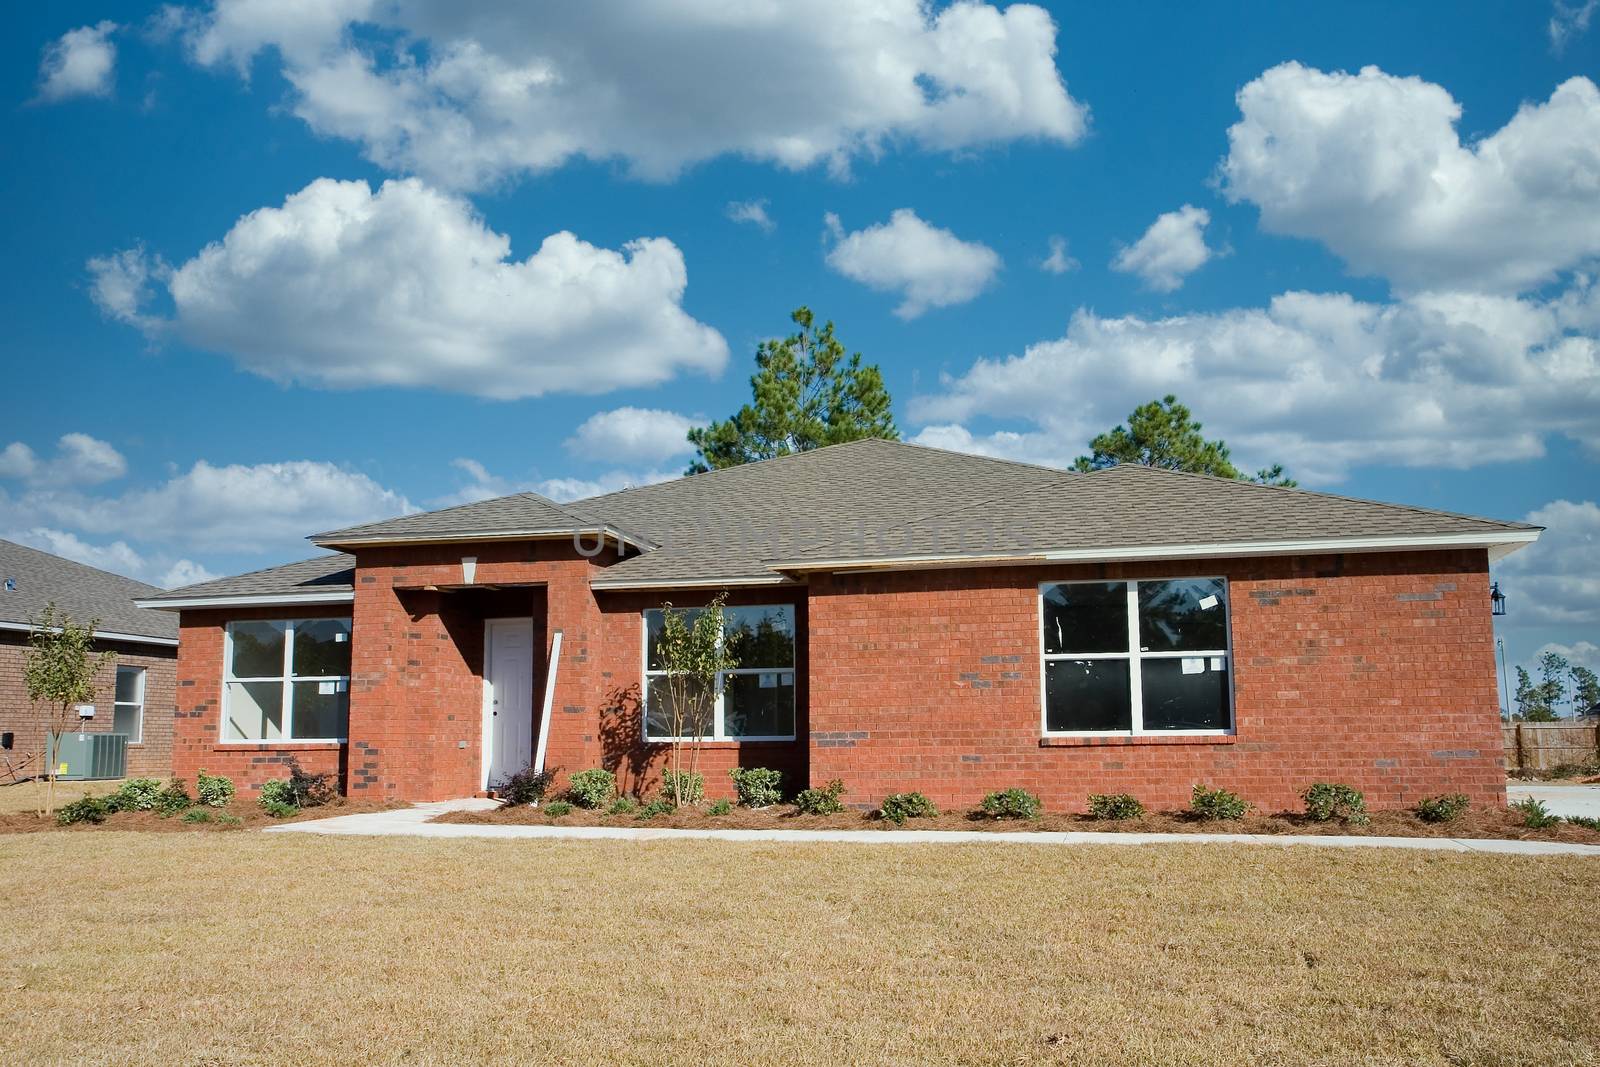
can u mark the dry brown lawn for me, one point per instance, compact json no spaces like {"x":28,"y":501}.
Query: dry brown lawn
{"x":18,"y":798}
{"x":252,"y":948}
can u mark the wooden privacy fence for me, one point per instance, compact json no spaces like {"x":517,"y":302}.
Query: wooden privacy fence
{"x":1543,"y":746}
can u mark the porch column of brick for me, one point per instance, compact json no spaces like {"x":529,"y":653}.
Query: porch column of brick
{"x":574,"y":742}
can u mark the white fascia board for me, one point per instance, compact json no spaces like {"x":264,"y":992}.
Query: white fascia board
{"x":1499,"y":545}
{"x":100,"y":635}
{"x":248,"y":600}
{"x":482,"y":536}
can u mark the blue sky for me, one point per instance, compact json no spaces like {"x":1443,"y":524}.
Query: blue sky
{"x":1356,"y":239}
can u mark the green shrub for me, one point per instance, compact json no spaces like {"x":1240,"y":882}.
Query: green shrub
{"x":279,"y":809}
{"x":1588,"y":822}
{"x":898,"y":807}
{"x":1010,"y":804}
{"x":85,"y":809}
{"x":757,"y":787}
{"x":654,"y":808}
{"x":823,"y":801}
{"x":1446,"y":807}
{"x":721,"y":807}
{"x":623,"y":805}
{"x":1534,"y":814}
{"x":526,"y":786}
{"x":136,"y":794}
{"x":557,"y":808}
{"x":592,"y":788}
{"x":205,"y":815}
{"x":691,"y":786}
{"x":1326,"y":801}
{"x":276,"y":791}
{"x":1115,"y":806}
{"x":173,"y":799}
{"x":1213,"y":804}
{"x":196,"y":815}
{"x":213,"y":790}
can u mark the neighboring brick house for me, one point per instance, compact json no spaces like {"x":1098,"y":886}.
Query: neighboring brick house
{"x":133,"y":694}
{"x":906,"y":618}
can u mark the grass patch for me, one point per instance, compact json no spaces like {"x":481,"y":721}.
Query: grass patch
{"x":22,"y":798}
{"x":783,"y":953}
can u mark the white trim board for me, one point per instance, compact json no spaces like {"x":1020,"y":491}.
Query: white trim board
{"x":99,"y":635}
{"x":249,"y":600}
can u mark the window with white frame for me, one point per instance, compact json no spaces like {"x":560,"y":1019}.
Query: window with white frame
{"x":1142,"y":657}
{"x":127,"y":709}
{"x":753,"y":701}
{"x":286,"y":679}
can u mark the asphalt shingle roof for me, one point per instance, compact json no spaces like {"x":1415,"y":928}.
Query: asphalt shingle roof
{"x":334,"y":573}
{"x":874,"y":499}
{"x":81,"y":591}
{"x":521,"y":511}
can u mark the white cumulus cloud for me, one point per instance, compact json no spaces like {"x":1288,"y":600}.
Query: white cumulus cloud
{"x":753,"y":212}
{"x":1319,"y":382}
{"x":1557,"y":578}
{"x":345,"y":287}
{"x":79,"y":460}
{"x":927,"y":266}
{"x":80,"y":62}
{"x":630,"y":434}
{"x":471,"y":94}
{"x":1173,"y":248}
{"x":1058,"y":261}
{"x":483,"y":484}
{"x":1372,"y":166}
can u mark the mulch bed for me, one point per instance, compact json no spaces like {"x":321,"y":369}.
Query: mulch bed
{"x":250,"y":816}
{"x":1501,"y":825}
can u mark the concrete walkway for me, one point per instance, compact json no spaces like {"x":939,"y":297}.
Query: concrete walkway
{"x":1562,"y":798}
{"x":413,"y":822}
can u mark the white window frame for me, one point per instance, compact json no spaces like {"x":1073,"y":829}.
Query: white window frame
{"x":137,"y":737}
{"x":718,"y":724}
{"x":286,"y":679}
{"x":1134,"y":656}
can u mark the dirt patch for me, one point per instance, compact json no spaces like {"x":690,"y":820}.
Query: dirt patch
{"x":249,"y":814}
{"x":1501,"y":824}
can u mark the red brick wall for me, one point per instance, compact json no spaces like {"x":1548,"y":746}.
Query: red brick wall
{"x":1375,"y":670}
{"x":152,"y":757}
{"x":196,"y":746}
{"x":416,"y":685}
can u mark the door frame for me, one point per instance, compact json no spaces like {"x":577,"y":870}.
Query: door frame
{"x":486,"y":727}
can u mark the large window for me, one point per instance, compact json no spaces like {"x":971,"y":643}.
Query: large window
{"x":287,"y":680}
{"x":127,"y":710}
{"x":1136,"y":657}
{"x":755,"y":700}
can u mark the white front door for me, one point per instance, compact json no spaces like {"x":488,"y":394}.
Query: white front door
{"x":507,"y":697}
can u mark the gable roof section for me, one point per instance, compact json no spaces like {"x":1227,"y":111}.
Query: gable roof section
{"x":1134,"y":512}
{"x":723,"y":527}
{"x":81,"y":591}
{"x":519,"y":516}
{"x":324,"y":580}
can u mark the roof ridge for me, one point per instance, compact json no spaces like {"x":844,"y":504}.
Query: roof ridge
{"x":79,"y":563}
{"x":1295,"y":489}
{"x":814,"y":451}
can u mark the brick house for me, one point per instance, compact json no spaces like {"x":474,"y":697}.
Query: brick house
{"x":905,"y":618}
{"x":133,"y":694}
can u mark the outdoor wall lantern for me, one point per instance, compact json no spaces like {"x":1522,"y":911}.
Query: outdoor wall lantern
{"x":1497,"y":599}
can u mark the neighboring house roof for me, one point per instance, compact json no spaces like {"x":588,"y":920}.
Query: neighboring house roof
{"x":325,"y":579}
{"x":85,"y":593}
{"x":885,"y":503}
{"x":520,"y":516}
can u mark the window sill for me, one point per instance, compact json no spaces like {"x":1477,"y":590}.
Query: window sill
{"x":1141,"y":739}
